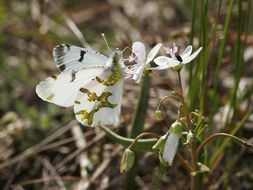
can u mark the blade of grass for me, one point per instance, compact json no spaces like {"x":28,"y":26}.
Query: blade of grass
{"x":138,"y":124}
{"x":219,"y":61}
{"x":193,"y":16}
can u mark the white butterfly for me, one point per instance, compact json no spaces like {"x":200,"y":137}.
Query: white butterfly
{"x":89,"y":81}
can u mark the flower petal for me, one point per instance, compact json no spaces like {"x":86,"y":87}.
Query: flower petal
{"x":160,"y":67}
{"x":162,"y":60}
{"x":190,"y":58}
{"x":138,"y":48}
{"x":138,"y":74}
{"x":170,"y":148}
{"x":153,"y":52}
{"x":187,"y":52}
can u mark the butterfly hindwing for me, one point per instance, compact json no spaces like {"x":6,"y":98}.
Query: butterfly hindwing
{"x":68,"y":57}
{"x":62,"y":89}
{"x":99,"y":104}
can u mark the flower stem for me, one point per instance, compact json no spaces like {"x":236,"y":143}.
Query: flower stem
{"x":186,"y":165}
{"x":165,"y":98}
{"x":132,"y":145}
{"x":194,"y":179}
{"x":166,"y":82}
{"x":194,"y":158}
{"x":222,"y":134}
{"x":180,"y":82}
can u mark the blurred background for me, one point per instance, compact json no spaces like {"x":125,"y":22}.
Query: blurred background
{"x":41,"y":144}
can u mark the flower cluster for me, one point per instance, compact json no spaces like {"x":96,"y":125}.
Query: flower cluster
{"x":142,"y":62}
{"x":167,"y":144}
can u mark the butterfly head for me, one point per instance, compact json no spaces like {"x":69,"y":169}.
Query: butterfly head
{"x":115,"y":59}
{"x":116,"y":56}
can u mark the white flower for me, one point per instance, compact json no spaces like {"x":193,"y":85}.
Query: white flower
{"x":170,"y":148}
{"x":175,"y":60}
{"x":171,"y":144}
{"x":141,"y":60}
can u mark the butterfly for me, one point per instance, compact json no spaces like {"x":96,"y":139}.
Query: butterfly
{"x":89,"y":81}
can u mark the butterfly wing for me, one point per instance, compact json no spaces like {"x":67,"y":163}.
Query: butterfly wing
{"x":98,"y":103}
{"x":69,"y":57}
{"x":63,"y":89}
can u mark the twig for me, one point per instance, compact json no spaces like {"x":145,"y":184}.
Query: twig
{"x":78,"y":151}
{"x":42,"y":180}
{"x":83,"y":158}
{"x":37,"y":148}
{"x":53,"y":172}
{"x":73,"y":27}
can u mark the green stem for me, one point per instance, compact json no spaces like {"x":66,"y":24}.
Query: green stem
{"x":194,"y":179}
{"x":180,"y":82}
{"x":138,"y":125}
{"x":140,"y":114}
{"x":165,"y":98}
{"x":193,"y":16}
{"x":186,"y":165}
{"x":225,"y":143}
{"x":166,"y":82}
{"x":132,"y":145}
{"x":225,"y":135}
{"x":142,"y":145}
{"x":220,"y":56}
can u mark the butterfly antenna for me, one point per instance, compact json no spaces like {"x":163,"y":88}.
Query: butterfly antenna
{"x":126,"y":49}
{"x":103,"y":36}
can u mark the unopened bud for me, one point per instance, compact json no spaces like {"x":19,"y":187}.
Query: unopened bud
{"x":203,"y":168}
{"x":159,"y":114}
{"x":162,"y":160}
{"x":173,"y":92}
{"x":190,"y":137}
{"x":127,"y":160}
{"x":160,"y":143}
{"x":176,"y":127}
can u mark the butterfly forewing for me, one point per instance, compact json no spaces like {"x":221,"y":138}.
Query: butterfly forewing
{"x":69,"y":57}
{"x":62,"y":89}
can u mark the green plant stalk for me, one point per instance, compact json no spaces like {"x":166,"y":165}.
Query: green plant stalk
{"x":225,"y":143}
{"x":194,"y":179}
{"x":158,"y":175}
{"x":140,"y":114}
{"x":138,"y":124}
{"x":193,"y":16}
{"x":213,"y":97}
{"x":213,"y":38}
{"x":203,"y":59}
{"x":234,"y":99}
{"x":225,"y":135}
{"x":219,"y":61}
{"x":142,"y":145}
{"x":194,"y":160}
{"x":132,"y":145}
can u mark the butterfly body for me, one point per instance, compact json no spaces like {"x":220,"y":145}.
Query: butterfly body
{"x":89,"y":81}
